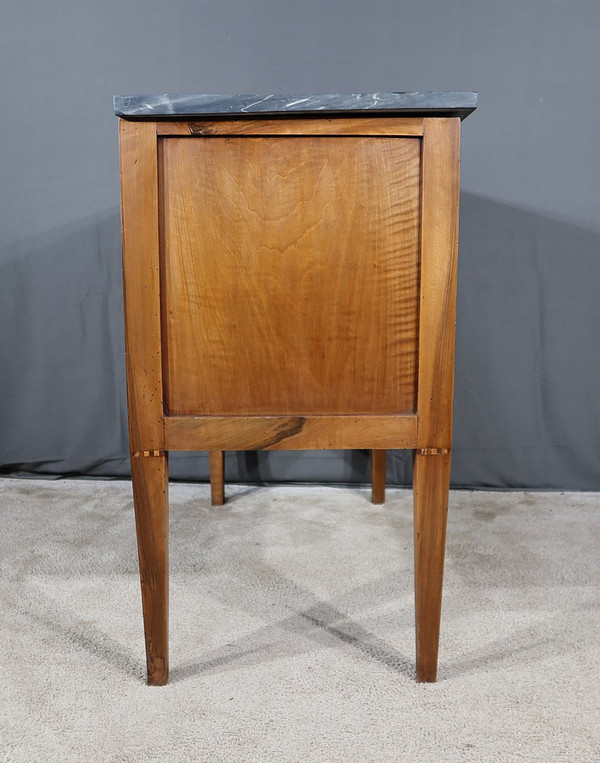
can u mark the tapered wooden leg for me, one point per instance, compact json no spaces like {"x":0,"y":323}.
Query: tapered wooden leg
{"x":150,"y":482}
{"x":216,"y":465}
{"x":431,"y":483}
{"x":378,"y":467}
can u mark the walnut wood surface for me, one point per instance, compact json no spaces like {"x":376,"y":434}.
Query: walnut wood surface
{"x":289,"y":432}
{"x":360,"y":126}
{"x":149,"y":476}
{"x":141,"y":288}
{"x":431,"y":482}
{"x":378,"y":473}
{"x":291,"y":274}
{"x":431,"y":477}
{"x":216,"y":465}
{"x":286,"y":288}
{"x":439,"y":252}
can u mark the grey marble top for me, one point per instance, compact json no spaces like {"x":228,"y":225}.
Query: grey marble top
{"x":421,"y":104}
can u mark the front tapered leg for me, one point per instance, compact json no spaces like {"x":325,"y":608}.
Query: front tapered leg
{"x":431,"y":483}
{"x":150,"y":482}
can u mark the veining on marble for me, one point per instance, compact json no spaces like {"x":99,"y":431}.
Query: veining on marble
{"x":418,"y":103}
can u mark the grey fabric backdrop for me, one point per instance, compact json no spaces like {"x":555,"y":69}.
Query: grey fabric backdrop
{"x":527,"y":411}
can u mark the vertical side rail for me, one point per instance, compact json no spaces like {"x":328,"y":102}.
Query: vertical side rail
{"x":141,"y":285}
{"x":431,"y":477}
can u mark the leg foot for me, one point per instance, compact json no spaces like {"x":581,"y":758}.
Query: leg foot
{"x":431,"y":483}
{"x":216,"y":464}
{"x":150,"y":481}
{"x":378,"y":466}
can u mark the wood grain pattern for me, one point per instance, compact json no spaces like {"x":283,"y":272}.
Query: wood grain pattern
{"x":289,"y":432}
{"x":291,"y":275}
{"x":141,"y":289}
{"x":151,"y":504}
{"x":378,"y":474}
{"x":289,"y":288}
{"x":439,"y":251}
{"x":216,"y":465}
{"x":431,"y":477}
{"x":295,"y":126}
{"x":431,"y":482}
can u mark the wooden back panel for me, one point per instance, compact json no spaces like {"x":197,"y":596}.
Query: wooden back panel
{"x":290,"y":274}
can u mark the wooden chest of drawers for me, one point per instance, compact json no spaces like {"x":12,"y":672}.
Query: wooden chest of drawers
{"x":290,"y":283}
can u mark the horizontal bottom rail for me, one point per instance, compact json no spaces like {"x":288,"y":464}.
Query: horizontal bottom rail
{"x":397,"y":431}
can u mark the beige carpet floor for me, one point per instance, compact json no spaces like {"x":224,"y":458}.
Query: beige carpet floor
{"x":292,"y":628}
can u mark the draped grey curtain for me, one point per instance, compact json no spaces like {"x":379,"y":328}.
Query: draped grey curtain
{"x":528,"y":354}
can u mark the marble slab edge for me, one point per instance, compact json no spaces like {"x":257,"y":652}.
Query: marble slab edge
{"x":165,"y":106}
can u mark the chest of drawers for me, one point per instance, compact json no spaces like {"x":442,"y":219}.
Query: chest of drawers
{"x":290,"y":283}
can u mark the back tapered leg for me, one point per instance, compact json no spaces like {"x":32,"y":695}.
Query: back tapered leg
{"x":378,"y":468}
{"x":216,"y":463}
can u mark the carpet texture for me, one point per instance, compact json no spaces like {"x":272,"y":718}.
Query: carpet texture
{"x":292,"y":635}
